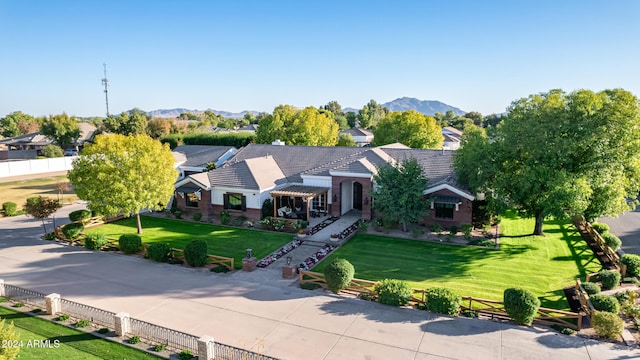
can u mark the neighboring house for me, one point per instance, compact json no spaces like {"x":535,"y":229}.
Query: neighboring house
{"x":307,"y":181}
{"x":362,"y":137}
{"x":452,"y":137}
{"x":193,"y":159}
{"x":33,"y":143}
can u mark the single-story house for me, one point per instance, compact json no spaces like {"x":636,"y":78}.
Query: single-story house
{"x":29,"y":146}
{"x":362,"y":137}
{"x":304,"y":181}
{"x":452,"y":137}
{"x":193,"y":159}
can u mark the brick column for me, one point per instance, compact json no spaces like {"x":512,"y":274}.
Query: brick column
{"x":53,"y":303}
{"x":122,"y":323}
{"x":205,"y":348}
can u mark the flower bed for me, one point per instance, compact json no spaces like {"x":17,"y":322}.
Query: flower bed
{"x":312,"y":260}
{"x":347,"y":232}
{"x":269,"y":259}
{"x":322,"y":225}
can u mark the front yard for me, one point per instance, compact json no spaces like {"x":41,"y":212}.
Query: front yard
{"x":543,"y":265}
{"x":221,"y":240}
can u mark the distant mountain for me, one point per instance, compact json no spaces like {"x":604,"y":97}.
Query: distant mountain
{"x":174,"y":113}
{"x":427,"y":107}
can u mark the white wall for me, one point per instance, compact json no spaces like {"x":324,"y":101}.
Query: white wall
{"x":28,"y":167}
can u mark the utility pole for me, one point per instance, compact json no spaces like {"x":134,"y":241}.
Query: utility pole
{"x":105,"y":83}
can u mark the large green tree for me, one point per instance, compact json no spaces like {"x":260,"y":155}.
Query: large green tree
{"x":371,"y":114}
{"x":309,"y":126}
{"x":130,"y":122}
{"x":410,"y":128}
{"x":558,"y":154}
{"x":62,"y":129}
{"x":124,"y":174}
{"x":17,"y":123}
{"x":398,"y":192}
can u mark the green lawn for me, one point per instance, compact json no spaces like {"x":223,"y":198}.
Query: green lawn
{"x":542,"y":264}
{"x":74,"y":344}
{"x":221,"y":240}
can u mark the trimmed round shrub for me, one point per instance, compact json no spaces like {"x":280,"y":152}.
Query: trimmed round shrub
{"x":72,"y":231}
{"x":338,"y":274}
{"x":633,"y":264}
{"x":606,"y":303}
{"x":612,"y":241}
{"x":158,"y":251}
{"x":609,"y":279}
{"x":393,"y":292}
{"x":521,"y":305}
{"x":591,"y":288}
{"x":79,"y":215}
{"x":443,"y":301}
{"x":196,"y":253}
{"x":601,"y":228}
{"x":95,"y":241}
{"x":607,"y":325}
{"x":129,"y":243}
{"x":9,"y":208}
{"x":197,"y":216}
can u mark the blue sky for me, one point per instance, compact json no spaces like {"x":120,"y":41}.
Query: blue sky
{"x":254,"y":55}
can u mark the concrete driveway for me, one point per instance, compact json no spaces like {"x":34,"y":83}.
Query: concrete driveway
{"x":269,"y":316}
{"x":627,"y":228}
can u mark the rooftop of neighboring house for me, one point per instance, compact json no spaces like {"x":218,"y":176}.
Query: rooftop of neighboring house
{"x":38,"y":139}
{"x":200,"y":155}
{"x":259,"y":166}
{"x":356,"y":132}
{"x":448,"y":130}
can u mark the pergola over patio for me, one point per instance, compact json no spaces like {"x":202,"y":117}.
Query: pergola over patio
{"x":306,"y":193}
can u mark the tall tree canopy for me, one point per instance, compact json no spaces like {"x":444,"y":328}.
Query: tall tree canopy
{"x":309,"y":126}
{"x":124,"y":174}
{"x":410,"y":128}
{"x":338,"y":115}
{"x":404,"y":204}
{"x":371,"y":114}
{"x":17,"y":123}
{"x":62,"y":129}
{"x":558,"y":154}
{"x":130,"y":122}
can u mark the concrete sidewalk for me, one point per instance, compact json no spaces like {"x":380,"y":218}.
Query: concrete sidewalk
{"x":269,"y":316}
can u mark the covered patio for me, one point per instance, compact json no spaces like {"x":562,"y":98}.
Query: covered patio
{"x":300,"y":202}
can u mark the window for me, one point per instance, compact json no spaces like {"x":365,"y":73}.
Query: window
{"x":444,"y":211}
{"x":318,"y":202}
{"x":235,"y":202}
{"x":191,"y":200}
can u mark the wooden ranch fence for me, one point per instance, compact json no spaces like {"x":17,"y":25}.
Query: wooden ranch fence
{"x":213,"y":259}
{"x":492,"y":308}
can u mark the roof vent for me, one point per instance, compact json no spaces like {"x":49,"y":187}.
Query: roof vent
{"x":278,"y":142}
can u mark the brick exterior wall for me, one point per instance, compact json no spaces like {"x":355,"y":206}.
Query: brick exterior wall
{"x":250,"y":214}
{"x":336,"y":206}
{"x":204,"y":204}
{"x":462,"y":216}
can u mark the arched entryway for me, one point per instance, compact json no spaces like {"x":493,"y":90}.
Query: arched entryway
{"x":351,"y":196}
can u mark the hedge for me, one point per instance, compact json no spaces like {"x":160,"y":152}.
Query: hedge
{"x":72,"y":231}
{"x":158,"y":251}
{"x":393,"y":292}
{"x":633,"y":264}
{"x":609,"y":279}
{"x":612,"y":241}
{"x":195,"y":253}
{"x":606,"y":303}
{"x":9,"y":208}
{"x":95,"y":241}
{"x":338,"y":274}
{"x":521,"y":305}
{"x":607,"y":325}
{"x":129,"y":243}
{"x":443,"y":301}
{"x":591,"y":288}
{"x":79,"y":215}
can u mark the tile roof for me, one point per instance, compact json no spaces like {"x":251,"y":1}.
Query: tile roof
{"x":356,"y":132}
{"x":259,"y":166}
{"x":255,"y":173}
{"x":200,"y":155}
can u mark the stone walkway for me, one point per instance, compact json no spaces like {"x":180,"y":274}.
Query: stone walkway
{"x":310,"y":245}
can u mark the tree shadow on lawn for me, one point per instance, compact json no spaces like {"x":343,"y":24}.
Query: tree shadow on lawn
{"x":581,"y":253}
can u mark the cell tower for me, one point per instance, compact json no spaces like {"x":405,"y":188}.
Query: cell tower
{"x":105,"y":83}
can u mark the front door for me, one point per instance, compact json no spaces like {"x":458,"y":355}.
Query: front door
{"x":357,"y":196}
